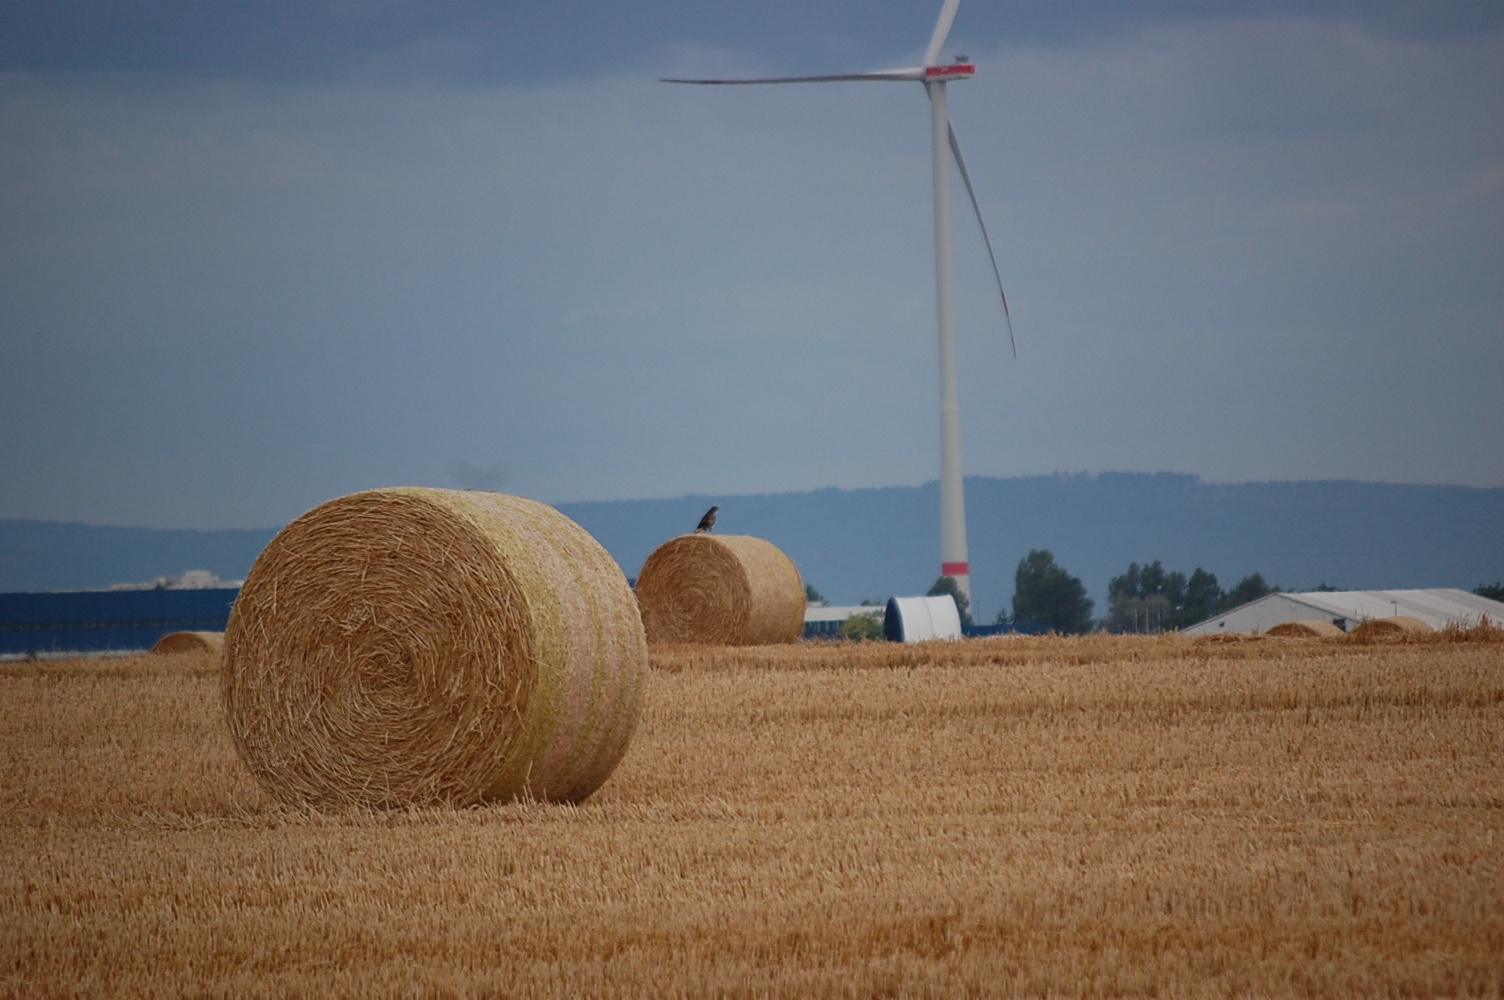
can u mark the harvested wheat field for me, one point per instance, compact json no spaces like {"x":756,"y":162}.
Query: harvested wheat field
{"x":1104,"y":816}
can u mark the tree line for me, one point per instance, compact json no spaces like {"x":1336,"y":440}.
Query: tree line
{"x":1148,"y":599}
{"x":1145,"y":599}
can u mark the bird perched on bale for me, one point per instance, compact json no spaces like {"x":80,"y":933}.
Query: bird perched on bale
{"x":708,"y":521}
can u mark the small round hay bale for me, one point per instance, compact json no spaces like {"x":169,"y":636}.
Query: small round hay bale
{"x":1306,"y":628}
{"x":411,"y":646}
{"x":1395,"y":627}
{"x":190,"y":642}
{"x":720,"y":590}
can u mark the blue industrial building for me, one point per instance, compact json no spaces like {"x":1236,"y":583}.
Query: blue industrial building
{"x":108,"y":620}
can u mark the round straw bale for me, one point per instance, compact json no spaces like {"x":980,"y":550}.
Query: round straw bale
{"x":1394,"y":627}
{"x":411,"y":646}
{"x":720,"y":590}
{"x":1307,"y":628}
{"x":190,"y":642}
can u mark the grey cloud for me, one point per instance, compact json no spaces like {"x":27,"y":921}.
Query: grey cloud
{"x":223,"y":302}
{"x":477,"y":41}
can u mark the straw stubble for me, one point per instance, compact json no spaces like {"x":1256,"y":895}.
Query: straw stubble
{"x":1014,"y":816}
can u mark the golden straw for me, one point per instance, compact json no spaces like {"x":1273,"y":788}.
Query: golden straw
{"x":415,"y":646}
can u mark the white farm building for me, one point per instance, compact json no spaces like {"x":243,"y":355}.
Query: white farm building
{"x":1438,"y":608}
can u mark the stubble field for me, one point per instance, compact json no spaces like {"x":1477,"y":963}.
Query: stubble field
{"x":1103,"y":816}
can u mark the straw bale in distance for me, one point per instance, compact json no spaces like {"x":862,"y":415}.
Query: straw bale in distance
{"x":1394,"y":627}
{"x":1307,"y":628}
{"x":414,"y":646}
{"x":720,"y":590}
{"x":190,"y":642}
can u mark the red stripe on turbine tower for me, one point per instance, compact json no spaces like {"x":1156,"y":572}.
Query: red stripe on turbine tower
{"x":955,"y":569}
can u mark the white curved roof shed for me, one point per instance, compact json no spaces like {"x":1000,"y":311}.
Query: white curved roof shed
{"x":915,"y":619}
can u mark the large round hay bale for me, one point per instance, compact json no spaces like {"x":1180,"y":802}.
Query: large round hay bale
{"x":417,"y":646}
{"x":1394,"y":627}
{"x":720,"y":590}
{"x":1306,"y":628}
{"x":190,"y":642}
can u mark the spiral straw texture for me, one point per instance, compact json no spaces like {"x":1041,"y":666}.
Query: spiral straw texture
{"x":412,"y":646}
{"x":720,"y":590}
{"x":190,"y":642}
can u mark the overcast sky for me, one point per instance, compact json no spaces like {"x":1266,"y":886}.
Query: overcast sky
{"x":257,"y":255}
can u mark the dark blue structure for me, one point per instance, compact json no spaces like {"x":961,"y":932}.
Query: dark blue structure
{"x":94,"y":620}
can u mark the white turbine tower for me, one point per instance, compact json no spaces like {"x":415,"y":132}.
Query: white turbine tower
{"x":935,"y":75}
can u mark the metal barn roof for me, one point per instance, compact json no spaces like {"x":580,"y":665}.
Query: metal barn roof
{"x":94,"y":620}
{"x":1437,"y":607}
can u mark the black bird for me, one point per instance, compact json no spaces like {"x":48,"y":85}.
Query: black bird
{"x":708,"y":521}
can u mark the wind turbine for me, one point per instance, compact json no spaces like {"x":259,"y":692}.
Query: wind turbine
{"x":935,"y":75}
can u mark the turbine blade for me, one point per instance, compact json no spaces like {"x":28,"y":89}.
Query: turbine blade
{"x":916,"y":73}
{"x":955,"y":148}
{"x":942,"y":31}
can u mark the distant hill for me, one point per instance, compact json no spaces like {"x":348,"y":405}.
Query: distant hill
{"x":873,"y":543}
{"x":856,"y":544}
